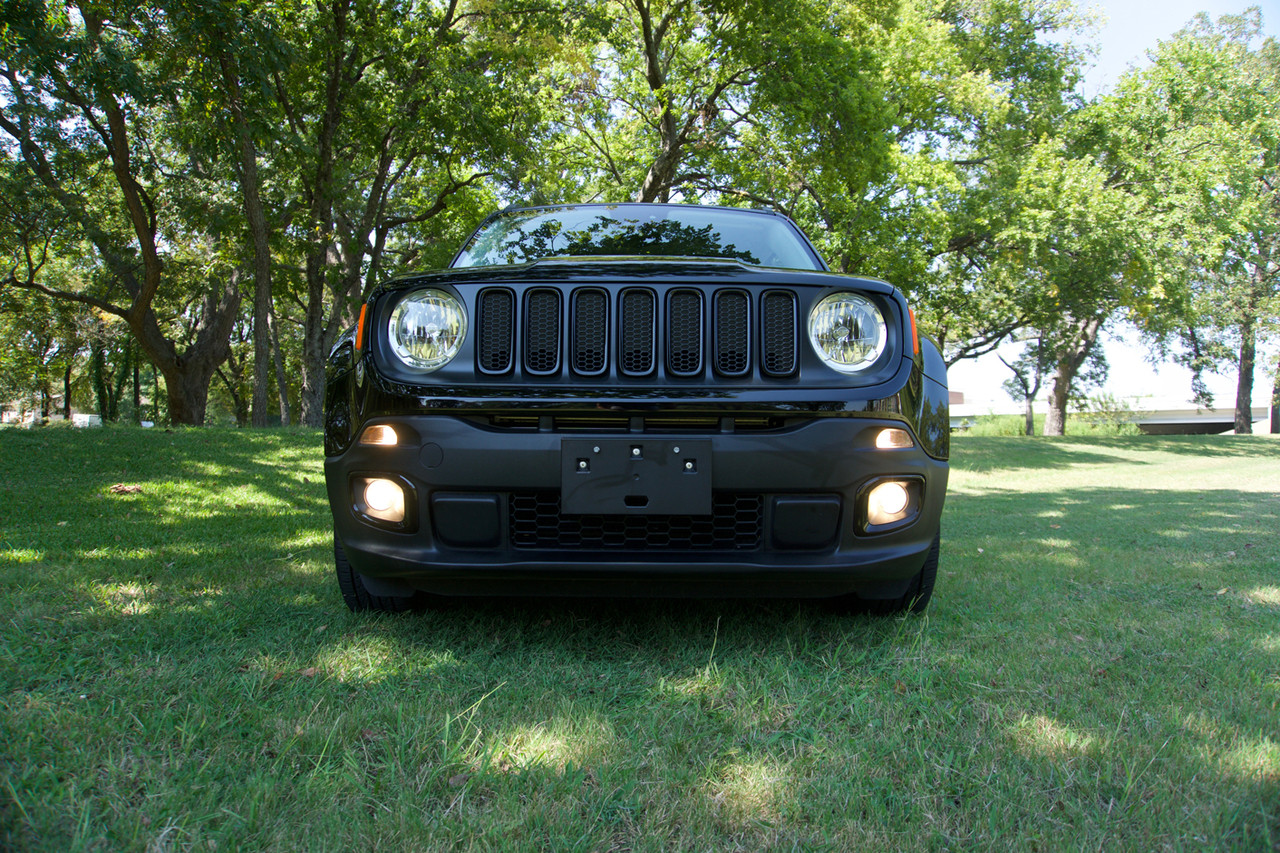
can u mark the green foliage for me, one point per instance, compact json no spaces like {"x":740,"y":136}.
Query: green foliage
{"x":1199,"y":131}
{"x":934,"y":144}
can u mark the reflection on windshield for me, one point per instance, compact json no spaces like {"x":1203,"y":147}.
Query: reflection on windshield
{"x":529,"y":235}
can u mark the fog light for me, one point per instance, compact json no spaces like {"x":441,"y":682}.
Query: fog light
{"x":379,"y":434}
{"x":887,"y":503}
{"x":894,"y":439}
{"x":384,"y":500}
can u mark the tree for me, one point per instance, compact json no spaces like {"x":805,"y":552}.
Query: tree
{"x":1202,"y":129}
{"x":1028,"y":371}
{"x":894,"y":135}
{"x":390,"y":115}
{"x":82,"y":85}
{"x":1081,"y":238}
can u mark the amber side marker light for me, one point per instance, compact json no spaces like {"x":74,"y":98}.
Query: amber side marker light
{"x":364,"y":310}
{"x":379,"y":435}
{"x":894,"y":439}
{"x":915,"y":336}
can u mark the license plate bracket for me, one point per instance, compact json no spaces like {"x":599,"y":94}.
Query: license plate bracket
{"x":635,"y":476}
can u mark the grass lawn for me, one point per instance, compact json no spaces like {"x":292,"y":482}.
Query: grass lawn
{"x":1099,"y":669}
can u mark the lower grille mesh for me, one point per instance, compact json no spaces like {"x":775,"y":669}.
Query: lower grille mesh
{"x":735,"y":524}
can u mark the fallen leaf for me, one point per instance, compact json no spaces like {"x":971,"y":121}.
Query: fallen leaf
{"x":1077,"y":638}
{"x":125,"y":489}
{"x":308,"y":672}
{"x":1056,"y":526}
{"x":459,"y":780}
{"x":62,"y":524}
{"x":980,"y":550}
{"x":1223,"y":591}
{"x":899,"y":687}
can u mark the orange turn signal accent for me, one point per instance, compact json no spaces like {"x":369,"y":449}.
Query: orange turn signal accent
{"x":915,"y":336}
{"x":364,"y":309}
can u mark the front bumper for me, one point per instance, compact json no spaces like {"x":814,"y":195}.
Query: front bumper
{"x":497,"y":512}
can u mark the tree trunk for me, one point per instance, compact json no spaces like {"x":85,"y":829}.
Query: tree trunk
{"x":253,"y":210}
{"x":1055,"y":420}
{"x":1070,"y":359}
{"x":277,"y":355}
{"x":320,"y":228}
{"x":657,"y":182}
{"x":313,"y":351}
{"x":187,"y":376}
{"x":1275,"y":402}
{"x":1031,"y":418}
{"x":237,"y":402}
{"x":96,"y":367}
{"x":66,"y":392}
{"x":155,"y":395}
{"x":137,"y":389}
{"x":1244,"y":379}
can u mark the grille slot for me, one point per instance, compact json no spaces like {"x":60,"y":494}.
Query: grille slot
{"x":779,"y":334}
{"x":684,"y":351}
{"x":590,"y":331}
{"x":542,"y":332}
{"x":733,"y":355}
{"x":735,"y":524}
{"x":497,"y":329}
{"x":638,"y":332}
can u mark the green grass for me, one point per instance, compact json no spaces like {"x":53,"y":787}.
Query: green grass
{"x":1099,"y":669}
{"x":1078,"y":425}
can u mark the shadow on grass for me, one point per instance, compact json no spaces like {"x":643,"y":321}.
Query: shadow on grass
{"x":190,"y":639}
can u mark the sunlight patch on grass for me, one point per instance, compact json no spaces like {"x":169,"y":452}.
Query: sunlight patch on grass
{"x":371,"y":659}
{"x":20,"y":556}
{"x":1039,"y":735}
{"x":1268,"y":596}
{"x":750,"y":790}
{"x":307,"y":539}
{"x":128,"y":599}
{"x":1257,"y":760}
{"x":568,"y":739}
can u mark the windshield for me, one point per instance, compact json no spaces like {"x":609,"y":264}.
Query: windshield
{"x":667,"y":230}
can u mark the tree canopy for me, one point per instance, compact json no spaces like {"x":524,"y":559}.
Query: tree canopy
{"x":210,"y":189}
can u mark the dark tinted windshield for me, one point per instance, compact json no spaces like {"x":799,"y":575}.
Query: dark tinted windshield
{"x":669,"y":230}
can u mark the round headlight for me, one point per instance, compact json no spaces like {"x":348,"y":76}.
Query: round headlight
{"x":847,"y":331}
{"x":427,"y":329}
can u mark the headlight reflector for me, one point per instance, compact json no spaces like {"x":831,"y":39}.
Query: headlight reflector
{"x":427,"y":329}
{"x":847,"y":331}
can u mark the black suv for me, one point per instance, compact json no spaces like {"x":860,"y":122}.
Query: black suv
{"x":636,"y":399}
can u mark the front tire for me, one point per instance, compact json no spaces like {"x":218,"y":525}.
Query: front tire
{"x":354,"y":592}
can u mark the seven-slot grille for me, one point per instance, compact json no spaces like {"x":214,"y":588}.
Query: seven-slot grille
{"x":650,"y":330}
